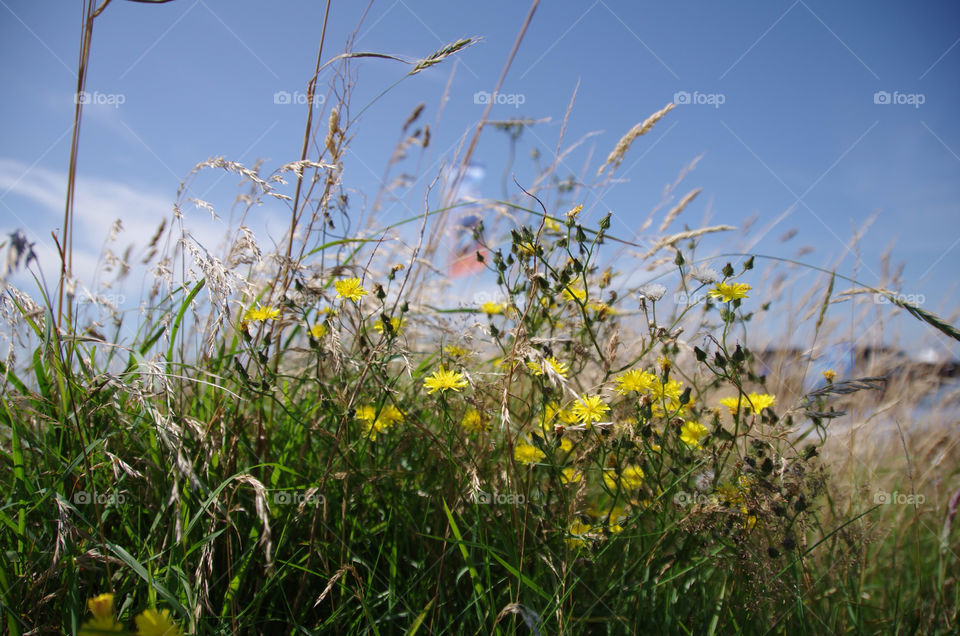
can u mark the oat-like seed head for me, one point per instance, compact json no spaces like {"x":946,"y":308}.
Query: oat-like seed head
{"x":616,"y":157}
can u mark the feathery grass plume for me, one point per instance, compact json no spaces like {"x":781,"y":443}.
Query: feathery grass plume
{"x":682,"y":236}
{"x":296,"y":167}
{"x":245,"y":249}
{"x":675,"y":212}
{"x":616,"y":156}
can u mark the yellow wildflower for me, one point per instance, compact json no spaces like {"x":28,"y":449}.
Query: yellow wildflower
{"x":729,"y":291}
{"x":760,"y":401}
{"x":610,"y":478}
{"x":441,"y":380}
{"x":474,"y":422}
{"x":590,"y":409}
{"x":635,"y":380}
{"x":754,"y":402}
{"x":154,"y":623}
{"x":553,"y":410}
{"x":691,"y":433}
{"x":751,"y":520}
{"x":492,"y":309}
{"x":731,"y":403}
{"x":101,"y":606}
{"x":630,"y":478}
{"x":574,"y":292}
{"x":261,"y":314}
{"x":318,"y":331}
{"x":570,"y":476}
{"x":668,"y":394}
{"x":527,"y":248}
{"x":350,"y":288}
{"x":578,"y":529}
{"x":373,"y":423}
{"x":600,"y":307}
{"x":456,"y":351}
{"x":527,"y":453}
{"x":560,"y":368}
{"x":729,"y":494}
{"x":395,"y":322}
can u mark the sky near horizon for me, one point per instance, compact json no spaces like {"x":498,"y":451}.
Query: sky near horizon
{"x":814,"y":121}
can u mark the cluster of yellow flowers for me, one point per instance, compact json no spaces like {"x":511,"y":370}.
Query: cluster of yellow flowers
{"x":665,"y":397}
{"x":149,"y":622}
{"x":347,"y":288}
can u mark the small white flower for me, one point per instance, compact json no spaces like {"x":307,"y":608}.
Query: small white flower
{"x":705,"y":275}
{"x":703,"y":481}
{"x":653,"y":292}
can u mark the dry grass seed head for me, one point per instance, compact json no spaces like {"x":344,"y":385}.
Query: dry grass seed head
{"x":616,"y":156}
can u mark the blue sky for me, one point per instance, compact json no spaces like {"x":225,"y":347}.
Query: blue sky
{"x":812,"y":115}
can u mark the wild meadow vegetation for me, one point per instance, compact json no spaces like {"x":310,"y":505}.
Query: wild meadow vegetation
{"x":308,"y":441}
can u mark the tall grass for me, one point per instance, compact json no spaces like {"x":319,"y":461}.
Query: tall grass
{"x":304,"y":442}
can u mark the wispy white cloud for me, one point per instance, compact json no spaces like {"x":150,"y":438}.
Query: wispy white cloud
{"x":32,"y":200}
{"x":99,"y":201}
